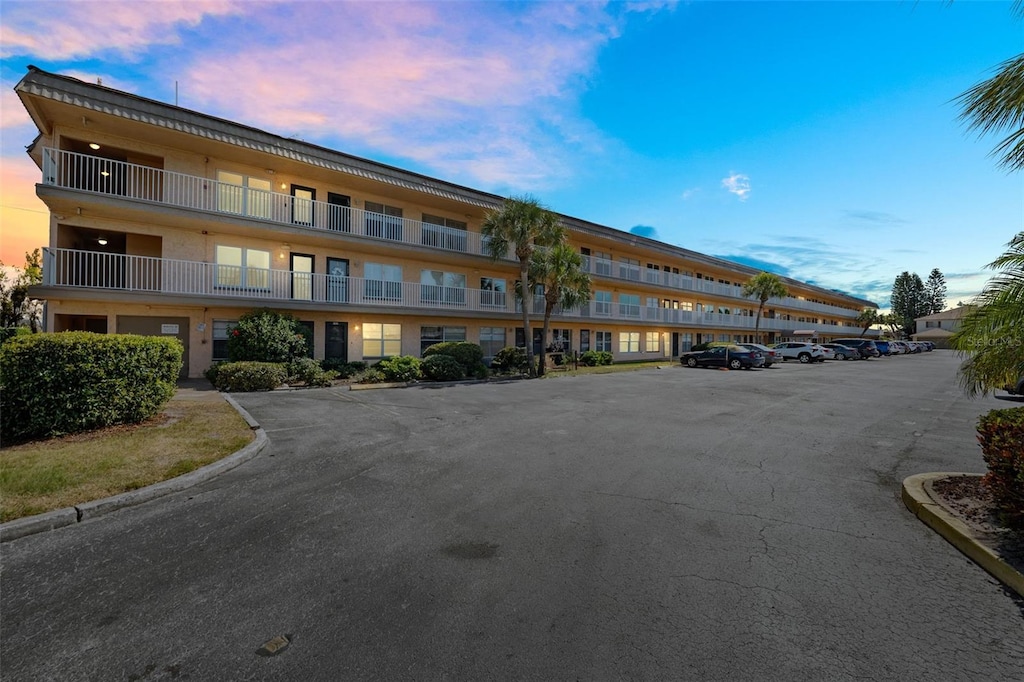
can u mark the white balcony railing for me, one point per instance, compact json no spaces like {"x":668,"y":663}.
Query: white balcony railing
{"x":87,"y":173}
{"x":94,"y":270}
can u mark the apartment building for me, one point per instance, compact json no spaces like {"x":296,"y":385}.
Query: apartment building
{"x":169,"y":221}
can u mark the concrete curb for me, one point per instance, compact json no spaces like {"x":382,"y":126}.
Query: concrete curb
{"x":919,"y":500}
{"x":60,"y":518}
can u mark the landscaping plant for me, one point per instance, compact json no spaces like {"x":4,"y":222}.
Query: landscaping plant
{"x":1001,"y":435}
{"x":267,"y":336}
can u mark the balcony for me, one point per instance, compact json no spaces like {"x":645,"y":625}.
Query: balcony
{"x":91,"y":270}
{"x":87,"y":173}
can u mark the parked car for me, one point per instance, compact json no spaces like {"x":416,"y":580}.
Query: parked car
{"x":883,"y":347}
{"x":912,"y":347}
{"x":770,"y":355}
{"x":1016,"y":389}
{"x":732,"y":356}
{"x":796,"y":350}
{"x":902,"y":345}
{"x":841,"y":352}
{"x":867,"y":347}
{"x":896,"y":348}
{"x":827,"y":353}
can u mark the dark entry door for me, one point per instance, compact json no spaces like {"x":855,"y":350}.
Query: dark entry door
{"x":337,"y":280}
{"x":336,"y":341}
{"x":302,"y":276}
{"x":339,"y":213}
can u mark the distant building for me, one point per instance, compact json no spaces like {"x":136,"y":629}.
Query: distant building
{"x":166,"y":221}
{"x":938,"y":327}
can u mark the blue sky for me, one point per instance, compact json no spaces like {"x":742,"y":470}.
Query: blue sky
{"x":814,"y":139}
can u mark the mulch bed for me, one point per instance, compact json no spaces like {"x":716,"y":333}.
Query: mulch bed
{"x":967,"y":498}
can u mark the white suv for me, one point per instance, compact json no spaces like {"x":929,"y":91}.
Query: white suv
{"x":804,"y":352}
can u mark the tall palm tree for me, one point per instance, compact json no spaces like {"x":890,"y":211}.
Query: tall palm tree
{"x":763,"y":286}
{"x":521,"y":224}
{"x":991,"y":334}
{"x":559,"y":269}
{"x":867,"y":318}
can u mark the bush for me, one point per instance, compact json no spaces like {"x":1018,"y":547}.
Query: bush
{"x":11,"y":332}
{"x":400,"y":368}
{"x":511,"y":359}
{"x":467,"y":354}
{"x":369,"y":375}
{"x":54,"y":384}
{"x":212,"y":371}
{"x":267,"y":336}
{"x":343,"y":369}
{"x":242,"y":377}
{"x":309,"y":372}
{"x":1001,"y":434}
{"x":442,"y":368}
{"x":595,"y":358}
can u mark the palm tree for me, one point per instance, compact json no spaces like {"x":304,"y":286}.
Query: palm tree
{"x":559,"y":269}
{"x":867,"y":318}
{"x":521,"y":224}
{"x":991,"y":333}
{"x":763,"y":286}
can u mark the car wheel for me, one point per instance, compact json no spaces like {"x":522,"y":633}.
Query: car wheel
{"x":840,"y":356}
{"x":691,"y":362}
{"x":804,"y":358}
{"x":735,"y":364}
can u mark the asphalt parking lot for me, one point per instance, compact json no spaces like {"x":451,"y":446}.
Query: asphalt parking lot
{"x":672,"y":523}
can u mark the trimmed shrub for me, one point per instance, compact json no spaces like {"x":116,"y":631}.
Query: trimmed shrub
{"x":343,"y":369}
{"x":595,"y":358}
{"x":55,"y":384}
{"x":511,"y":359}
{"x":369,"y":375}
{"x":481,"y":371}
{"x":267,"y":336}
{"x":1001,"y":435}
{"x":400,"y":368}
{"x":469,"y":355}
{"x":309,"y":372}
{"x":11,"y":332}
{"x":243,"y":377}
{"x":212,"y":371}
{"x":442,"y":368}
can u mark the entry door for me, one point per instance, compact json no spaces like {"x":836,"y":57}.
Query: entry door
{"x":337,"y":280}
{"x":302,"y":204}
{"x":336,"y":341}
{"x":339,"y":216}
{"x":302,"y":276}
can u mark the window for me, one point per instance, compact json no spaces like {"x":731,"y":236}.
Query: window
{"x":383,"y":221}
{"x":242,"y":268}
{"x":302,"y":204}
{"x":603,"y":263}
{"x":382,"y":282}
{"x":561,"y":340}
{"x":492,"y":292}
{"x":447,"y":288}
{"x":307,"y":331}
{"x":220,"y":338}
{"x":584,"y":340}
{"x":444,"y":233}
{"x":237,"y":193}
{"x":629,"y":305}
{"x":629,"y":268}
{"x":686,"y":341}
{"x":603,"y":341}
{"x":686,"y":305}
{"x":602,"y":303}
{"x":629,"y":342}
{"x":652,"y":342}
{"x":381,"y":340}
{"x":492,"y":339}
{"x":431,"y":335}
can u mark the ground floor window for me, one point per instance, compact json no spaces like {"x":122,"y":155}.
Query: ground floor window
{"x":603,"y":341}
{"x":306,"y":327}
{"x":584,"y":340}
{"x":220,"y":338}
{"x":724,"y":338}
{"x":561,"y":340}
{"x":652,"y":342}
{"x":492,"y":339}
{"x":431,"y":335}
{"x":629,"y":342}
{"x":336,"y":341}
{"x":686,"y":342}
{"x":382,"y":340}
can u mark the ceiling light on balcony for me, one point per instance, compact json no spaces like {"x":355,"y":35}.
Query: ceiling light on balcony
{"x":93,"y":145}
{"x":102,"y":241}
{"x":105,"y":173}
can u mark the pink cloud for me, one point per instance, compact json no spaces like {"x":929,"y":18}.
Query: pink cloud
{"x":64,"y":30}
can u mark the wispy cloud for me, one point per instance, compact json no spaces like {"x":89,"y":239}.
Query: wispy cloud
{"x":738,"y":184}
{"x":645,"y":231}
{"x":877,"y":217}
{"x":690,"y":193}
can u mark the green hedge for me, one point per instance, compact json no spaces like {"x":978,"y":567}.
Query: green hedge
{"x":243,"y":377}
{"x":510,"y":359}
{"x":594,"y":358}
{"x":442,"y":368}
{"x":11,"y":332}
{"x":469,"y":355}
{"x":400,"y":368}
{"x":55,"y":384}
{"x":1001,"y":435}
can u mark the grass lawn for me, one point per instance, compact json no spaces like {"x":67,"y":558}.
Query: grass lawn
{"x":61,"y":472}
{"x":608,"y":369}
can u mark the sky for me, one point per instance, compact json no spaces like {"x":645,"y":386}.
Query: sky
{"x":816,"y":140}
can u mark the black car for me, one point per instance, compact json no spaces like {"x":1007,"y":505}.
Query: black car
{"x":733,"y":357}
{"x":867,"y":347}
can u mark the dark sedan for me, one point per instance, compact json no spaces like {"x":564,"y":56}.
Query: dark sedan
{"x":733,"y":357}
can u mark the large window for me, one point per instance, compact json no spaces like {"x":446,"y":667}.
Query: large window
{"x":492,"y":339}
{"x":629,"y":342}
{"x":629,"y":268}
{"x":686,"y":342}
{"x":431,"y":335}
{"x":629,"y":305}
{"x":602,"y":303}
{"x":652,"y":342}
{"x":603,"y":341}
{"x":492,"y":292}
{"x":381,"y":340}
{"x":237,"y":193}
{"x":444,"y":288}
{"x":383,"y":221}
{"x":602,"y":263}
{"x":382,"y":282}
{"x":220,"y":338}
{"x":444,"y":233}
{"x":561,"y":340}
{"x":243,"y":268}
